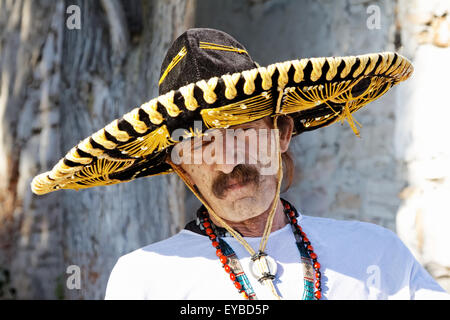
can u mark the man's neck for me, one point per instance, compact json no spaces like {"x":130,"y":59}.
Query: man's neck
{"x":254,"y":227}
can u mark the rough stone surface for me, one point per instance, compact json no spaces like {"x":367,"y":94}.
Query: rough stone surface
{"x":58,"y":85}
{"x":421,"y":137}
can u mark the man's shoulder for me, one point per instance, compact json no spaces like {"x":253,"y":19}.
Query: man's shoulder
{"x":180,"y":244}
{"x":346,"y":224}
{"x":365,"y":244}
{"x":349,"y":231}
{"x":134,"y":273}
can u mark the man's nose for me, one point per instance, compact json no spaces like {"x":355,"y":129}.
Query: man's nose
{"x":225,"y":168}
{"x":231,"y":154}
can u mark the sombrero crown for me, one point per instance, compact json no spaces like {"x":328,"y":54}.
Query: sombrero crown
{"x":208,"y":76}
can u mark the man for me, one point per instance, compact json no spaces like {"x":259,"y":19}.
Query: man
{"x":246,"y":242}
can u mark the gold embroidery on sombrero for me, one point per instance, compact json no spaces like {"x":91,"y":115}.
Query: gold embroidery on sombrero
{"x":132,"y":118}
{"x":193,"y":133}
{"x":316,"y":72}
{"x":385,"y":63}
{"x":45,"y":182}
{"x":384,"y":70}
{"x":180,"y":55}
{"x":100,"y":138}
{"x":208,"y":89}
{"x":150,"y":108}
{"x":61,"y":170}
{"x":373,"y":61}
{"x":283,"y":78}
{"x":239,"y":112}
{"x":154,"y":115}
{"x":63,"y":176}
{"x":113,"y":129}
{"x":395,"y":66}
{"x":96,"y":174}
{"x":266,"y":76}
{"x":299,"y":66}
{"x":188,"y":94}
{"x":87,"y":147}
{"x":149,"y":175}
{"x":215,"y":46}
{"x":73,"y":156}
{"x":249,"y":85}
{"x":309,"y":97}
{"x":370,"y":93}
{"x":334,"y":64}
{"x":349,"y":62}
{"x":230,"y":85}
{"x":403,"y":71}
{"x":362,"y":64}
{"x":230,"y":81}
{"x":391,"y":65}
{"x":376,"y":89}
{"x":156,"y":140}
{"x":40,"y":184}
{"x":347,"y":115}
{"x":297,"y":99}
{"x":167,"y":102}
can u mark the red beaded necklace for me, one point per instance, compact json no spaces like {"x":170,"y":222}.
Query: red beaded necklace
{"x":309,"y":258}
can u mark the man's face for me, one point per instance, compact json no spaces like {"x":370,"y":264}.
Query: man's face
{"x":235,"y":169}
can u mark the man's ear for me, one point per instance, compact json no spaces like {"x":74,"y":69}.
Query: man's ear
{"x":286,"y":130}
{"x":179,"y":168}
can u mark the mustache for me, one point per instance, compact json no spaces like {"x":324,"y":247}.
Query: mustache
{"x":242,"y":174}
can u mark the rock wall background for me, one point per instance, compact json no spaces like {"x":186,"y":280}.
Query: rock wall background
{"x":421,"y":136}
{"x":58,"y":85}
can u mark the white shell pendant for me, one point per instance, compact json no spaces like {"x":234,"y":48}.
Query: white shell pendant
{"x":263,"y":267}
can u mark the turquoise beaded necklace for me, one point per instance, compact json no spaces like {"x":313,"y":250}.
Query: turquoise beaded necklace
{"x":230,"y":262}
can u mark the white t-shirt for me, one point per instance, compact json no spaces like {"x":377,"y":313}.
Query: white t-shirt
{"x":358,"y":261}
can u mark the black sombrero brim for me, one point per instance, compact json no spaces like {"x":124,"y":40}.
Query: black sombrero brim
{"x":316,"y":92}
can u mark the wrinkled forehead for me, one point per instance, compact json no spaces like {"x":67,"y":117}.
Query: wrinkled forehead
{"x":253,"y":128}
{"x":263,"y":123}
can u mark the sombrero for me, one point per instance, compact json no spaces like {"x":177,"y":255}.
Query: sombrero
{"x":208,"y":76}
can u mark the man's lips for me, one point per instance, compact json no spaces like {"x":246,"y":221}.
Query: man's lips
{"x":235,"y":185}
